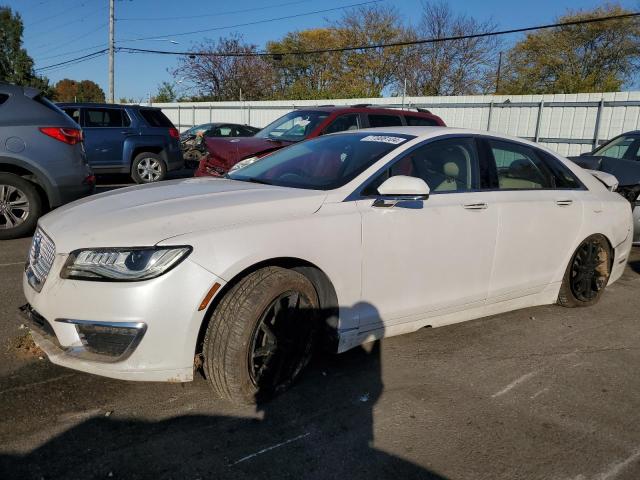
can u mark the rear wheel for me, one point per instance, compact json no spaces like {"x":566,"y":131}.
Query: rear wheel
{"x":20,"y":206}
{"x":148,"y":168}
{"x":587,"y":274}
{"x":260,"y":336}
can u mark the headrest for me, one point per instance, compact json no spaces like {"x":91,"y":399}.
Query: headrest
{"x":451,"y":169}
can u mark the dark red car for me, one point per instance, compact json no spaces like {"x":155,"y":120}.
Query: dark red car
{"x":298,"y":125}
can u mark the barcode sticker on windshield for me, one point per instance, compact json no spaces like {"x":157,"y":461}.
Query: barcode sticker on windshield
{"x":383,"y":139}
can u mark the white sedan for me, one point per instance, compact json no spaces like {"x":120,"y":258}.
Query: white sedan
{"x":345,"y":238}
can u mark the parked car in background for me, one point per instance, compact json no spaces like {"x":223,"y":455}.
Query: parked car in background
{"x":42,"y":162}
{"x":298,"y":125}
{"x":133,"y":139}
{"x":619,"y":157}
{"x":192,"y":140}
{"x":345,"y":238}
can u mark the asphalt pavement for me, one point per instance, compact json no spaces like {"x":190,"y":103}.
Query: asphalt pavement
{"x":540,"y":393}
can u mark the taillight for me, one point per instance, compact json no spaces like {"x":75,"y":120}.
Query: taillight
{"x":66,"y":135}
{"x":173,"y":133}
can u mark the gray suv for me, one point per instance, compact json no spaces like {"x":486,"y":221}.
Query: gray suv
{"x":133,"y":139}
{"x":42,"y":161}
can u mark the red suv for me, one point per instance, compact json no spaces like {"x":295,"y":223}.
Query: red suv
{"x":224,"y":153}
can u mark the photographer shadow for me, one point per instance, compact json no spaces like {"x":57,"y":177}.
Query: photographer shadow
{"x":322,"y":428}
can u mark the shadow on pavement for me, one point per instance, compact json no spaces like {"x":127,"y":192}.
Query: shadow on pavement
{"x":322,"y":428}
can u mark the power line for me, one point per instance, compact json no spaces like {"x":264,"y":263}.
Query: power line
{"x":360,"y":47}
{"x":74,"y":60}
{"x":179,"y":34}
{"x":217,"y":14}
{"x":65,"y":11}
{"x":385,"y":45}
{"x":66,"y":24}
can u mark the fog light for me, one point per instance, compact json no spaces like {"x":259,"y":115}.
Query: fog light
{"x":112,"y":339}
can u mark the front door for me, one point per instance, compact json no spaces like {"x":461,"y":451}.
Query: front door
{"x":428,"y":257}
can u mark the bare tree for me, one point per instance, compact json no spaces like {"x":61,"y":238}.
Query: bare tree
{"x":220,"y":78}
{"x":455,"y":67}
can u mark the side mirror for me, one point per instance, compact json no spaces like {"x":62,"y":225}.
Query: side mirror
{"x":401,"y":188}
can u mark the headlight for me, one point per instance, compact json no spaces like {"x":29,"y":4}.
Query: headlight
{"x":243,"y":163}
{"x":122,"y":264}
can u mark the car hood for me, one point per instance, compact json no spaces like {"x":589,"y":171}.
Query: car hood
{"x":146,"y":215}
{"x":238,"y":148}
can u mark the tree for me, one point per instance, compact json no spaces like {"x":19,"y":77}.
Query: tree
{"x":16,"y":66}
{"x":67,"y":90}
{"x":455,"y":67}
{"x":220,"y":78}
{"x":594,"y":57}
{"x":166,"y":93}
{"x":367,"y":73}
{"x":307,"y":76}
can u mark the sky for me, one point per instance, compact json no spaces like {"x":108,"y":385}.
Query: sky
{"x":59,"y":30}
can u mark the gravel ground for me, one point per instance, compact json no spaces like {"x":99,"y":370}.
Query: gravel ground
{"x":541,"y":393}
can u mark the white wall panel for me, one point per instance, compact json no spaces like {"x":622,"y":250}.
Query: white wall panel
{"x":566,"y":128}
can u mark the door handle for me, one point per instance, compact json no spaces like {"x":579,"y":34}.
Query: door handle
{"x":475,"y":206}
{"x":564,"y":202}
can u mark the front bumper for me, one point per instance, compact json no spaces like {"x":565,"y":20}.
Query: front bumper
{"x":167,"y":306}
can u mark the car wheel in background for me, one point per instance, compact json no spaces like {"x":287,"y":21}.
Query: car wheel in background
{"x":148,"y":168}
{"x":261,"y":334}
{"x":587,"y":274}
{"x":20,"y":206}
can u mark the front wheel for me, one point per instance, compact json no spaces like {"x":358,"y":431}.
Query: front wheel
{"x":587,"y":273}
{"x":148,"y":168}
{"x":260,"y":336}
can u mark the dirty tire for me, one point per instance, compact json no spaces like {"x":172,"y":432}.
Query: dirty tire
{"x":587,"y":274}
{"x":242,"y":363}
{"x":15,"y":191}
{"x":148,"y":168}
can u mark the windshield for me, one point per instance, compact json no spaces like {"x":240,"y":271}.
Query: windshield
{"x":625,"y":146}
{"x":198,"y":128}
{"x":294,"y":126}
{"x":322,"y":163}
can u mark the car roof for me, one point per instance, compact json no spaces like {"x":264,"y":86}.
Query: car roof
{"x":9,"y":88}
{"x":364,"y":108}
{"x":424,"y":133}
{"x":103,"y":105}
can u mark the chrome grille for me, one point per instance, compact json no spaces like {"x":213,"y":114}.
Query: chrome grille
{"x":41,"y":256}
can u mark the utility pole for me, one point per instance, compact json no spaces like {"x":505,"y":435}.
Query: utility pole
{"x":111,"y":50}
{"x":498,"y":72}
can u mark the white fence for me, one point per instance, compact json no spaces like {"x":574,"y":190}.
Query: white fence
{"x":570,"y":124}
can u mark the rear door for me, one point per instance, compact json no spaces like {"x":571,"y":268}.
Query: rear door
{"x":540,"y":213}
{"x":105,"y":129}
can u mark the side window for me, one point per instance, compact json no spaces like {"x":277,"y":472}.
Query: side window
{"x":105,"y":117}
{"x":420,"y":121}
{"x":384,"y":121}
{"x":74,"y":113}
{"x":3,"y":98}
{"x":562,"y":176}
{"x":518,"y":167}
{"x":446,"y":166}
{"x":344,"y":122}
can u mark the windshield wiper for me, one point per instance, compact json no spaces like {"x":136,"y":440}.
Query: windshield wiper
{"x":253,"y":180}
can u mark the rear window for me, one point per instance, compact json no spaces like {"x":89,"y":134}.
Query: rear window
{"x":384,"y":121}
{"x":3,"y":98}
{"x":420,"y":121}
{"x":155,"y":118}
